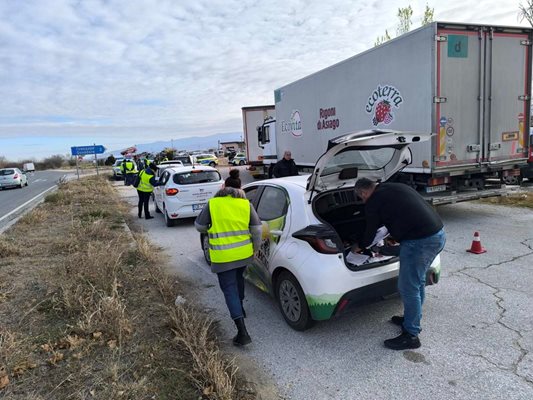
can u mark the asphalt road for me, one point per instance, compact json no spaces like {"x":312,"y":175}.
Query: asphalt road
{"x":13,"y":202}
{"x":477,"y":337}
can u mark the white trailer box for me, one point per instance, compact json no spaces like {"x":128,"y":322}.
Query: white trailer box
{"x":468,"y":84}
{"x":28,"y":167}
{"x":258,"y":154}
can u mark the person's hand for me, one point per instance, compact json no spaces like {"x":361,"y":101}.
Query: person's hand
{"x":356,"y":249}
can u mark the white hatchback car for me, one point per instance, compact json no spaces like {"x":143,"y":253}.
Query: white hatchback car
{"x":183,"y":191}
{"x":12,"y":177}
{"x":311,"y":221}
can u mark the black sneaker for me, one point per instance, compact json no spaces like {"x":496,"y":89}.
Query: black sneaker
{"x":397,"y":320}
{"x":149,"y":217}
{"x":403,"y":342}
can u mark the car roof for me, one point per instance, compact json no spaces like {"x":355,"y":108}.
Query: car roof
{"x":187,"y":168}
{"x":299,"y":182}
{"x":170,"y":162}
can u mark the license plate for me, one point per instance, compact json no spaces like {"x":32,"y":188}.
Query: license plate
{"x":438,"y":188}
{"x":196,"y":207}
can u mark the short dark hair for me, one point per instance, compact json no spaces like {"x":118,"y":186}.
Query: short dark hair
{"x":364,"y":184}
{"x":233,"y":180}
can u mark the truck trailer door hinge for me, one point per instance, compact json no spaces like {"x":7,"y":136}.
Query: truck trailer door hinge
{"x":437,"y":99}
{"x":526,"y":42}
{"x":524,"y":97}
{"x":473,"y":148}
{"x":441,"y":38}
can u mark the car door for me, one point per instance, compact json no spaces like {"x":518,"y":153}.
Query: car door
{"x":159,"y":190}
{"x":272,"y":206}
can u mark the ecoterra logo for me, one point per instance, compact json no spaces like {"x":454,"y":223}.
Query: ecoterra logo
{"x":381,"y":103}
{"x":294,"y":125}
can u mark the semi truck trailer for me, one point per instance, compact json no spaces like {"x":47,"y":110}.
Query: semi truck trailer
{"x":259,"y":154}
{"x":468,"y":84}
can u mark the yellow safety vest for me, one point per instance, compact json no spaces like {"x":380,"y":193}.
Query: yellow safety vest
{"x":144,"y":184}
{"x":130,"y":167}
{"x":229,"y":235}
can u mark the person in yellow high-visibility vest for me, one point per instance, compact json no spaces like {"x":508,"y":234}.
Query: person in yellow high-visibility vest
{"x":234,"y":232}
{"x":147,"y":181}
{"x":130,"y":170}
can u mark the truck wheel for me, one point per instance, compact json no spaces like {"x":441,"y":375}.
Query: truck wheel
{"x":512,"y":180}
{"x":292,"y":302}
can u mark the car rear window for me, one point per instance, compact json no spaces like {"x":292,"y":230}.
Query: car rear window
{"x":190,"y":178}
{"x":5,"y":172}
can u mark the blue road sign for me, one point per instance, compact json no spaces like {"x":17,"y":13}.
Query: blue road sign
{"x":86,"y":150}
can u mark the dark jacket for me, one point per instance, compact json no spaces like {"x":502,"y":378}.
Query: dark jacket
{"x":402,"y":211}
{"x":285,"y":168}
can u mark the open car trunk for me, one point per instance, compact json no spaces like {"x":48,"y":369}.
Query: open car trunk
{"x":345,"y":213}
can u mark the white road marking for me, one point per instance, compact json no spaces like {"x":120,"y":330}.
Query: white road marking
{"x":39,"y":180}
{"x":28,"y":202}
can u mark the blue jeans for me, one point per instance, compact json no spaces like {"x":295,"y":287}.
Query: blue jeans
{"x":416,"y":257}
{"x":232,"y":284}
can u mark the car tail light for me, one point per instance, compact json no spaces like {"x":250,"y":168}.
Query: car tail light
{"x":16,"y":176}
{"x":322,"y":245}
{"x":171,"y":191}
{"x":321,"y":238}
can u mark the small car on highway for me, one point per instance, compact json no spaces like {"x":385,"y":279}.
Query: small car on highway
{"x":310,"y":223}
{"x":12,"y":177}
{"x":183,"y":191}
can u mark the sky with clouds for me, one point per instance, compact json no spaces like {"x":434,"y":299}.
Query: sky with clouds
{"x":121,"y":72}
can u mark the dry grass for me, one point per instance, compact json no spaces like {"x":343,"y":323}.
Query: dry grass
{"x":211,"y":372}
{"x":523,"y":199}
{"x":94,"y":312}
{"x":8,"y":248}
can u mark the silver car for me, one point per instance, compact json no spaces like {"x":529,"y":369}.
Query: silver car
{"x":12,"y":177}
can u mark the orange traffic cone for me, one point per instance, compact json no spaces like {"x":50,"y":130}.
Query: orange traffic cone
{"x":476,"y":247}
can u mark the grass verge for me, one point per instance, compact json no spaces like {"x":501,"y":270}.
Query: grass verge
{"x":522,"y":199}
{"x":86,"y":313}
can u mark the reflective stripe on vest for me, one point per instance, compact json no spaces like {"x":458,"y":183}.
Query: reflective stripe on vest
{"x":229,"y":236}
{"x":144,"y":184}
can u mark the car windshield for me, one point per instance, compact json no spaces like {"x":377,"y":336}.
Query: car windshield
{"x":5,"y":172}
{"x":184,"y":159}
{"x":117,"y":163}
{"x":198,"y":176}
{"x":373,"y":159}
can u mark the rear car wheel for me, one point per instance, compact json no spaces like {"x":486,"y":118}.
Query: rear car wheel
{"x":205,"y":248}
{"x":292,"y":302}
{"x":157,"y":210}
{"x":241,"y":162}
{"x":169,"y":221}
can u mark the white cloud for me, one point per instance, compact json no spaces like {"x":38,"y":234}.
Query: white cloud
{"x":177,"y":68}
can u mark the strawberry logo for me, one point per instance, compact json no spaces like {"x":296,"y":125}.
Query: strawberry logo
{"x":381,"y":102}
{"x":382,"y":113}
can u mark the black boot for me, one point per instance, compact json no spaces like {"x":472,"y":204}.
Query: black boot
{"x":403,"y":342}
{"x":242,"y":338}
{"x":243,"y":312}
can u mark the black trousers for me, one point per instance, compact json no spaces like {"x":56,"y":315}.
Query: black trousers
{"x":144,"y":201}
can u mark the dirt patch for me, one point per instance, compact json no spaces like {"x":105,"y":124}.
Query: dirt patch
{"x":520,"y":199}
{"x":88,"y":312}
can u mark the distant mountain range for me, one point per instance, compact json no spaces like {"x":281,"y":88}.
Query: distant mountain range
{"x":185,"y":144}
